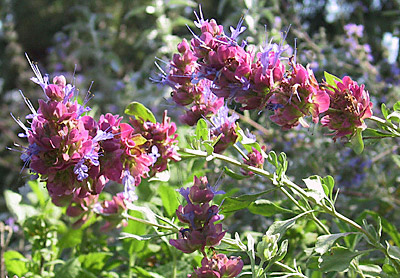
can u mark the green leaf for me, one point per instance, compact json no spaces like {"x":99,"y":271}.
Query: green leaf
{"x":315,"y":188}
{"x":389,"y":269}
{"x":21,"y":211}
{"x":280,"y":227}
{"x":70,"y":269}
{"x":40,"y":192}
{"x":209,"y":147}
{"x":140,"y":111}
{"x":15,"y":263}
{"x":356,"y":142}
{"x":86,"y":274}
{"x":282,"y":251}
{"x":71,"y":238}
{"x":201,"y":130}
{"x":385,"y":111}
{"x":372,"y":270}
{"x":394,"y":116}
{"x":234,"y":175}
{"x":283,"y":164}
{"x":143,"y":272}
{"x":273,"y":158}
{"x":376,"y":233}
{"x":369,"y":132}
{"x":169,"y":198}
{"x":330,"y":79}
{"x":232,"y":204}
{"x":387,"y":226}
{"x":94,"y":262}
{"x":396,"y":106}
{"x":266,"y":208}
{"x":393,"y":251}
{"x":326,"y":241}
{"x":337,"y":259}
{"x":329,"y":183}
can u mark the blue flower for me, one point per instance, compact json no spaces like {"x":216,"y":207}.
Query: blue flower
{"x":222,"y":117}
{"x":239,"y":29}
{"x":81,"y":170}
{"x":129,"y":186}
{"x":154,"y":154}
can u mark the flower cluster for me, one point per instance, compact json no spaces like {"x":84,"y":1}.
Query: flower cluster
{"x":255,"y":80}
{"x":202,"y":231}
{"x":255,"y":159}
{"x":76,"y":155}
{"x":218,"y":266}
{"x":216,"y":62}
{"x":349,"y":106}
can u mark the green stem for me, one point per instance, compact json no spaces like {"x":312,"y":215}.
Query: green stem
{"x":266,"y":174}
{"x":253,"y":265}
{"x":174,"y":271}
{"x":288,"y":268}
{"x":294,"y":186}
{"x":301,"y":191}
{"x":131,"y":264}
{"x":370,"y":237}
{"x":392,"y":127}
{"x":230,"y":160}
{"x":150,"y":223}
{"x":241,"y":152}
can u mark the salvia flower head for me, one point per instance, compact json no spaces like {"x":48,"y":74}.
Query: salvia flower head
{"x":218,"y":266}
{"x":349,"y":106}
{"x":200,"y":216}
{"x":255,"y":159}
{"x":298,"y":96}
{"x":76,"y":155}
{"x":161,"y":142}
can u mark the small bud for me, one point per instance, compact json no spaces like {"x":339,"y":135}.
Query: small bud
{"x":60,"y":81}
{"x":54,"y":92}
{"x":268,"y":247}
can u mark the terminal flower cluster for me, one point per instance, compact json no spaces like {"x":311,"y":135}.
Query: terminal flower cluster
{"x":218,"y":266}
{"x":76,"y":155}
{"x":202,"y":231}
{"x":216,"y":62}
{"x":350,"y":105}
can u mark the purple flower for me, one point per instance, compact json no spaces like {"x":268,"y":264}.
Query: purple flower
{"x":81,"y":171}
{"x":239,"y":29}
{"x":354,"y":29}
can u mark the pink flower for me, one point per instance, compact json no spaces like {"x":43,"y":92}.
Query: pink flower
{"x":218,"y":266}
{"x":349,"y":106}
{"x":112,"y":211}
{"x":256,"y":159}
{"x":161,"y":142}
{"x":224,"y":128}
{"x":298,"y":96}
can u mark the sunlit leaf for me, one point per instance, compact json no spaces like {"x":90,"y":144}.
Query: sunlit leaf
{"x":140,"y":111}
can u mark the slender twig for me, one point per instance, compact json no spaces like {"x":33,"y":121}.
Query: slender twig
{"x":253,"y":123}
{"x":149,"y":223}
